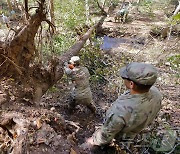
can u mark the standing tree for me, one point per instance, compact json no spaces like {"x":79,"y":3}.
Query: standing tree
{"x":9,"y":4}
{"x":51,"y":4}
{"x":177,"y":8}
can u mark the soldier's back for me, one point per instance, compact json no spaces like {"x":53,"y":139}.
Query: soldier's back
{"x":80,"y":76}
{"x":137,"y":110}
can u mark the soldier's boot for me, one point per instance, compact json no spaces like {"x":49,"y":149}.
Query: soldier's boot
{"x":92,"y":107}
{"x":72,"y":106}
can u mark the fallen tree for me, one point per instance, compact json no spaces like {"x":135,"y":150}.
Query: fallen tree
{"x":17,"y":55}
{"x":56,"y":66}
{"x":26,"y":128}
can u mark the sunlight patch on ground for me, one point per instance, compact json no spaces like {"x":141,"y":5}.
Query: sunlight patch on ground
{"x":3,"y":34}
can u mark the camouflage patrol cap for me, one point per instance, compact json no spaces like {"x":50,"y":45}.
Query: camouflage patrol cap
{"x":74,"y":59}
{"x":140,"y":73}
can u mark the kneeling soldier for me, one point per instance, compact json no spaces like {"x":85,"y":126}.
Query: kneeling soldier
{"x":81,"y":93}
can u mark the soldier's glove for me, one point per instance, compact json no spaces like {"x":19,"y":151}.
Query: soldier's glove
{"x":67,"y":70}
{"x":65,"y":64}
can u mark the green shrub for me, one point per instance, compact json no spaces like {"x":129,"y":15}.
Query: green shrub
{"x":70,"y":14}
{"x":175,"y":62}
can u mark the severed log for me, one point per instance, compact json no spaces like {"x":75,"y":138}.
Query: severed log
{"x":75,"y":49}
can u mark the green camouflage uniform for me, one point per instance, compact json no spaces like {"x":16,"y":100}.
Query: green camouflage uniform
{"x":129,"y":114}
{"x":81,"y":92}
{"x":122,"y":14}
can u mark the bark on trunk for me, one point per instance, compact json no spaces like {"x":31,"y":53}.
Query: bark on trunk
{"x":16,"y":55}
{"x":52,"y":11}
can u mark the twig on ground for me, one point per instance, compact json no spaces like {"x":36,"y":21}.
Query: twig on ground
{"x":13,"y":63}
{"x":75,"y":124}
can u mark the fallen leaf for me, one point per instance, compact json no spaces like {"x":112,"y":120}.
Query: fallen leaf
{"x":72,"y":151}
{"x":38,"y":123}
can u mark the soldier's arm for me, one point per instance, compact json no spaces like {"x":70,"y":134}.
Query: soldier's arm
{"x":113,"y":125}
{"x":83,"y":73}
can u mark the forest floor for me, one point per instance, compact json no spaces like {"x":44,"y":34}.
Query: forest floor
{"x":47,"y":133}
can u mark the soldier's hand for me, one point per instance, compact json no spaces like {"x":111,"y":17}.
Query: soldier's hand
{"x":86,"y":146}
{"x":90,"y":141}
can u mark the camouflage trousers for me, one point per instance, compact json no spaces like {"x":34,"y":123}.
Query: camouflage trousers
{"x":82,"y":96}
{"x":84,"y":101}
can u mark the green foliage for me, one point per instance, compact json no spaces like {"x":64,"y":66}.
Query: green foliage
{"x":93,"y":59}
{"x":102,"y":67}
{"x":177,"y":17}
{"x":175,"y":62}
{"x":174,"y":20}
{"x":53,"y":89}
{"x":70,"y":13}
{"x":146,"y":6}
{"x":62,"y":42}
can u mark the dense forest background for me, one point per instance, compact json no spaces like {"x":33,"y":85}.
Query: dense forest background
{"x":38,"y":36}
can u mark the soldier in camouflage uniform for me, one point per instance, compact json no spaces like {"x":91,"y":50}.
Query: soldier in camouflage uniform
{"x":132,"y":111}
{"x":81,"y":92}
{"x":122,"y":14}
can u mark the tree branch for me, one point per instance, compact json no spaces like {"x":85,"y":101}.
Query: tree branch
{"x":177,"y":9}
{"x":102,"y":9}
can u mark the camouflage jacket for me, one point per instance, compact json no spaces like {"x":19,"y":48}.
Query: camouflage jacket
{"x":128,"y":115}
{"x":80,"y":78}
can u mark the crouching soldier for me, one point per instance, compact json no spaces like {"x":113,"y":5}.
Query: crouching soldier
{"x":132,"y":111}
{"x":81,"y":92}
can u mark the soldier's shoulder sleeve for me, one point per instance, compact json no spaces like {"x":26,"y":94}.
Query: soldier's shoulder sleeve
{"x":156,"y":93}
{"x":83,"y":72}
{"x":121,"y":107}
{"x":86,"y":70}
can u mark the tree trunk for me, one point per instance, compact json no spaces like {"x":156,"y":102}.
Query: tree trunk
{"x":87,"y":11}
{"x":51,"y":4}
{"x":9,"y":4}
{"x":177,"y":9}
{"x":101,"y":8}
{"x":20,"y":51}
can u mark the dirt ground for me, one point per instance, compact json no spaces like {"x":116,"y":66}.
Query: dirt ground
{"x":52,"y":129}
